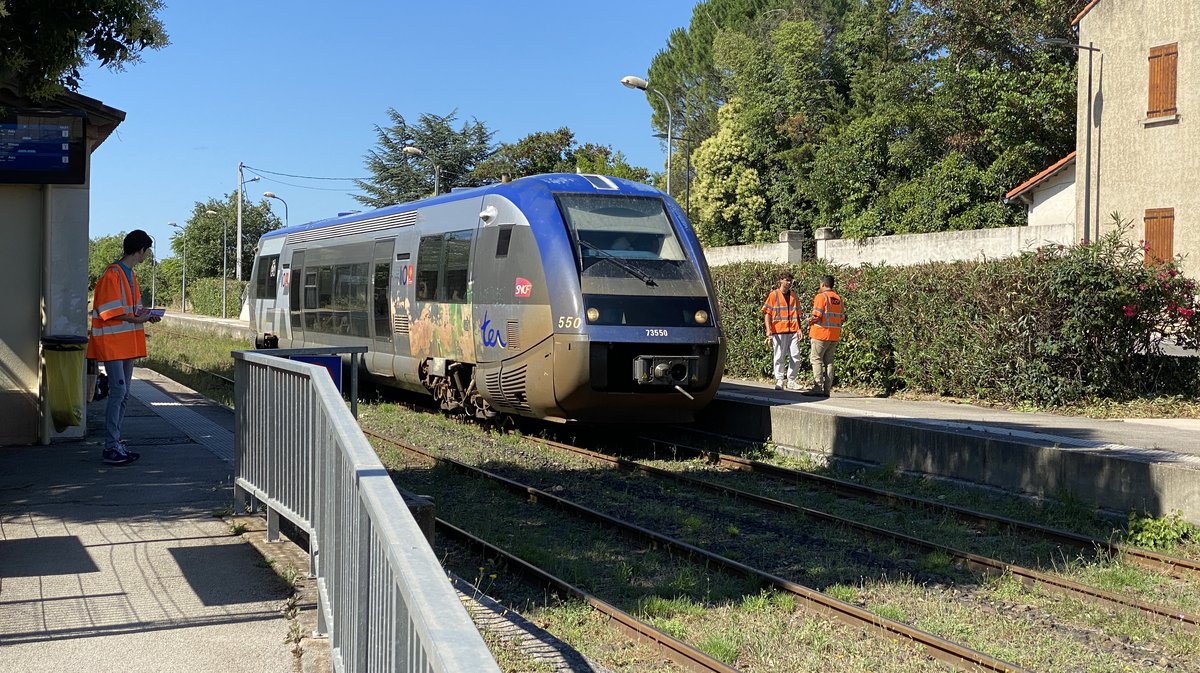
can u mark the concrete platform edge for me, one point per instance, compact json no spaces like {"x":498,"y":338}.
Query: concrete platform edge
{"x":1096,"y":476}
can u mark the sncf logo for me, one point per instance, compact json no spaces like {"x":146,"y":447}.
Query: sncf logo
{"x":524,"y":288}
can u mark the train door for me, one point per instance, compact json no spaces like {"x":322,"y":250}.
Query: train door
{"x":295,"y":294}
{"x":379,"y":359}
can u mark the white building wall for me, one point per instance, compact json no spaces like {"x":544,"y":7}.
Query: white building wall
{"x":1054,"y":201}
{"x":1138,"y":163}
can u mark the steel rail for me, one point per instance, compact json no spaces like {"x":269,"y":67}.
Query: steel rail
{"x":989,"y":566}
{"x":681,"y":653}
{"x":941,"y":649}
{"x":1173,"y":565}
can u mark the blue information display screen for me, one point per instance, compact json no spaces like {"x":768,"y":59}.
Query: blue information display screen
{"x":41,"y":147}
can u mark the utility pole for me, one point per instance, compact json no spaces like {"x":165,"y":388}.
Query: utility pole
{"x":239,"y":221}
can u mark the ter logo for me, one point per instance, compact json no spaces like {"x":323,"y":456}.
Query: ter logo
{"x":524,"y":288}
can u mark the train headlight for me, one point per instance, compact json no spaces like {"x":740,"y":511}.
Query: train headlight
{"x":701,"y":317}
{"x":593,"y":314}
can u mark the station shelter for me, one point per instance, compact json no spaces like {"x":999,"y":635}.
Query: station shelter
{"x":45,"y":162}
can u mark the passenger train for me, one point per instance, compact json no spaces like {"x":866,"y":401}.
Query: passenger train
{"x":562,"y":297}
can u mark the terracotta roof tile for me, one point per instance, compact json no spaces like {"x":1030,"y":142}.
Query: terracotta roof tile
{"x":1029,"y":184}
{"x":1086,"y":8}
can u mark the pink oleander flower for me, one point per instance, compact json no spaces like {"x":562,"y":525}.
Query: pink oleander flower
{"x":1186,"y":312}
{"x":1130,"y":311}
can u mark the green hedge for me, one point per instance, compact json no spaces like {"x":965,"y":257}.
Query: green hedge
{"x":1059,"y":325}
{"x":204,"y":296}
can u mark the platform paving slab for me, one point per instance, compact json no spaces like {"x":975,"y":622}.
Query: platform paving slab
{"x":131,"y":568}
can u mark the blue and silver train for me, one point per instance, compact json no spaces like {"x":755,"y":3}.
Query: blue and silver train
{"x":562,"y":297}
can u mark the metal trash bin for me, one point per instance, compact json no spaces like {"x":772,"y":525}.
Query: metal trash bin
{"x":64,"y":355}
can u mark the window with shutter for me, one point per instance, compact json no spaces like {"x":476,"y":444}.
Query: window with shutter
{"x":1163,"y":62}
{"x":1160,"y":235}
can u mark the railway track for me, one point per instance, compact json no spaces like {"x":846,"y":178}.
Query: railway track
{"x":993,"y":567}
{"x":1176,"y":566}
{"x":947,"y":651}
{"x":686,"y":656}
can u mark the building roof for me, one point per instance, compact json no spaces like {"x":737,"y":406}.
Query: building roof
{"x":102,"y":120}
{"x":1054,"y":169}
{"x":1086,"y":8}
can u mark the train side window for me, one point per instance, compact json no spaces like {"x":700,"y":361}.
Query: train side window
{"x":503,"y":238}
{"x":429,"y":264}
{"x":458,"y":265}
{"x":268,"y":277}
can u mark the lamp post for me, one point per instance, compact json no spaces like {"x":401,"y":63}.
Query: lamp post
{"x":437,"y":170}
{"x":154,"y":276}
{"x":272,"y":195}
{"x":638,"y":83}
{"x":183,"y":233}
{"x":1087,"y":172}
{"x":687,"y":176}
{"x":241,"y":184}
{"x":224,"y":262}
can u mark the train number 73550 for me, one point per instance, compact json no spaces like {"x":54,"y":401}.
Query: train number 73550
{"x":656,"y":333}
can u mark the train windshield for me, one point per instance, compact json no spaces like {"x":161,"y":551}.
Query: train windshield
{"x":623,"y":240}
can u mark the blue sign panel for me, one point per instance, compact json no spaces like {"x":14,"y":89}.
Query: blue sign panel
{"x":332,"y":363}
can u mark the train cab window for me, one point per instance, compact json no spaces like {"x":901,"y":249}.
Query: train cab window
{"x":268,"y":277}
{"x":503,"y":238}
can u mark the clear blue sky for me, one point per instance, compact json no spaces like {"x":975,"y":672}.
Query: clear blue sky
{"x":298,"y":87}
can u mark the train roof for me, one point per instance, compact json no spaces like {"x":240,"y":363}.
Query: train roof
{"x":515,"y":191}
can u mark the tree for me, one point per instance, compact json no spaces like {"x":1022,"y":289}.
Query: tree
{"x":539,"y":152}
{"x":44,"y":44}
{"x":602,"y":160}
{"x":555,"y":152}
{"x":399,"y":177}
{"x":729,"y":192}
{"x":202,"y":235}
{"x":102,"y":251}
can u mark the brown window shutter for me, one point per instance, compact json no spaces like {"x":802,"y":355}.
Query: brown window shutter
{"x":1160,"y":235}
{"x":1163,"y":65}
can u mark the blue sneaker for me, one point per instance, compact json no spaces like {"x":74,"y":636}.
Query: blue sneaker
{"x":116,"y":457}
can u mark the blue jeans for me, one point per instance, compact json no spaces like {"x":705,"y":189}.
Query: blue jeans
{"x":120,"y":374}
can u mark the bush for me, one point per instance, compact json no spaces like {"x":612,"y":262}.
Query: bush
{"x":204,"y":296}
{"x":1058,"y":325}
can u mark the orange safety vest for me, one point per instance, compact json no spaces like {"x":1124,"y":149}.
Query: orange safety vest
{"x":830,"y":312}
{"x":112,"y":338}
{"x":783,"y":314}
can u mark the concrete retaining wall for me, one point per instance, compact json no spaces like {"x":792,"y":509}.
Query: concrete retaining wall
{"x":1109,"y":482}
{"x":947,"y":246}
{"x":789,"y":250}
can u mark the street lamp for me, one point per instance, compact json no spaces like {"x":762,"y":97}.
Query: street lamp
{"x":241,"y":184}
{"x":183,"y":233}
{"x":271,"y":195}
{"x":1087,"y":172}
{"x":418,"y":152}
{"x":638,"y":83}
{"x":687,"y":177}
{"x":154,"y":276}
{"x":224,"y":262}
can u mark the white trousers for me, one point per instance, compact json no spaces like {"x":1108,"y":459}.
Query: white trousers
{"x":786,"y":349}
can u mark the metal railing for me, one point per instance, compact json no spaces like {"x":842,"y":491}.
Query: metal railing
{"x":385,"y":602}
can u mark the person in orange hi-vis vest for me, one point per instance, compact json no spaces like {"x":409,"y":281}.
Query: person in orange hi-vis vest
{"x":781,"y":315}
{"x":118,"y":337}
{"x":824,"y":331}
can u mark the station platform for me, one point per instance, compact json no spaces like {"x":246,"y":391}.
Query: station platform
{"x":1152,"y":465}
{"x":132,"y":568}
